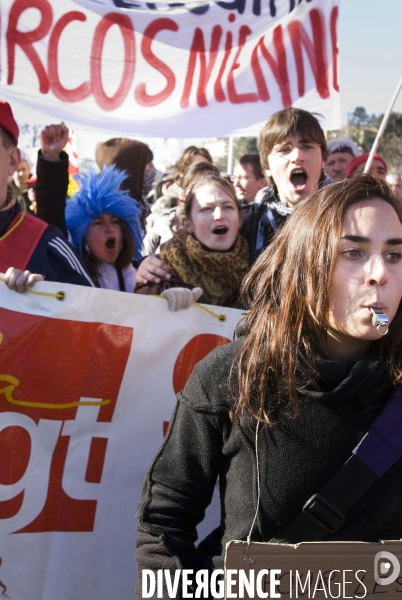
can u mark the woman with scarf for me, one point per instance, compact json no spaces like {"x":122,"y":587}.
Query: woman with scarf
{"x":207,"y":252}
{"x":277,"y":413}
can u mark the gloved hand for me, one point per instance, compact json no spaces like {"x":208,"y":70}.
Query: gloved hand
{"x":179,"y":298}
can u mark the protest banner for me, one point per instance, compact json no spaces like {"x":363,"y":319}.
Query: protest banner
{"x":87,"y":387}
{"x":170,"y":70}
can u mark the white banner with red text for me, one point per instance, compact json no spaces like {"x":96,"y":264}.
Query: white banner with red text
{"x":87,"y":387}
{"x":179,"y":69}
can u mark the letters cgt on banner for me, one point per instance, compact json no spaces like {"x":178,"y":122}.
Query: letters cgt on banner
{"x":87,"y":387}
{"x":170,"y":69}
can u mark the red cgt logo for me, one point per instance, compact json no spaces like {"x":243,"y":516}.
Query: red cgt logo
{"x":59,"y":383}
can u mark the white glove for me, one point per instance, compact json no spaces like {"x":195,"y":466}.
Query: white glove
{"x":179,"y":298}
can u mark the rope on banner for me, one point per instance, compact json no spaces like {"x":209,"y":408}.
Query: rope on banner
{"x":58,"y":295}
{"x":14,"y":382}
{"x":220,"y":317}
{"x":62,"y":296}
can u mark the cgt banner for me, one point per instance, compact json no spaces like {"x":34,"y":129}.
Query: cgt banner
{"x":87,"y":386}
{"x":201,"y":68}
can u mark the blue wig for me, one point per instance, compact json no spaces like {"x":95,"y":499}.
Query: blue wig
{"x":100,"y":194}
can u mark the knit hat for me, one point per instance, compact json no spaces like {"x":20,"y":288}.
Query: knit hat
{"x":342,"y":144}
{"x":100,"y":194}
{"x":358,"y":160}
{"x":7,"y":121}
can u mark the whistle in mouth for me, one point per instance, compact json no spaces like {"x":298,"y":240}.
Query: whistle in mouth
{"x":380,"y":319}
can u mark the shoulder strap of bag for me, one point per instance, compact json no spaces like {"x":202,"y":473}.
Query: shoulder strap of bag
{"x":17,"y":248}
{"x":380,"y":448}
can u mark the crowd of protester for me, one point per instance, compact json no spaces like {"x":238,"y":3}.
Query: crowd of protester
{"x":310,"y":371}
{"x":141,"y":237}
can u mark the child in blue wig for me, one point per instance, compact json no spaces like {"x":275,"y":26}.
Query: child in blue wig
{"x":104,"y":225}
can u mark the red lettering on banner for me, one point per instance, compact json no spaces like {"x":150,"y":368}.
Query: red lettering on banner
{"x":234,"y":97}
{"x":25,"y":39}
{"x":335,"y":51}
{"x":12,"y":470}
{"x":141,"y":95}
{"x":218,"y":89}
{"x":316,"y":52}
{"x":198,"y":49}
{"x":310,"y":44}
{"x":278,"y":67}
{"x":60,"y":422}
{"x":82,"y":91}
{"x":124,"y":23}
{"x":194,"y":351}
{"x":9,"y":508}
{"x":61,"y":512}
{"x":96,"y":459}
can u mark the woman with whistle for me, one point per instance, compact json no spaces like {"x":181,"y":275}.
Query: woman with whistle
{"x":276,"y":414}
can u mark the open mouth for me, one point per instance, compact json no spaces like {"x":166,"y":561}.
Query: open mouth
{"x":220,"y":230}
{"x":298,"y":177}
{"x":110,"y":244}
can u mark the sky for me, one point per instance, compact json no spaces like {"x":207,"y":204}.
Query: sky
{"x":370,"y":48}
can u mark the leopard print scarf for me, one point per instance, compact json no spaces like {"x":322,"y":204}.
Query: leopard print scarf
{"x":218,"y":273}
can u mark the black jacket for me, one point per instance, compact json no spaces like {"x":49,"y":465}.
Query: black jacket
{"x":54,"y":257}
{"x":51,"y":190}
{"x":297,"y":457}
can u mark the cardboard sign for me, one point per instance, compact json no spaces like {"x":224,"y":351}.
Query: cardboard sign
{"x":314,"y":570}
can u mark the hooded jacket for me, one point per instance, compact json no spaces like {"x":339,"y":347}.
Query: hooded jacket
{"x":297,"y":457}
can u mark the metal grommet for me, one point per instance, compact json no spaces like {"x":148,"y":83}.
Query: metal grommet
{"x":222,"y":317}
{"x":61,"y":296}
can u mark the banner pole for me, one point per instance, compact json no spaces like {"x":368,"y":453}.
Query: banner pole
{"x":382,"y":127}
{"x":230,"y":155}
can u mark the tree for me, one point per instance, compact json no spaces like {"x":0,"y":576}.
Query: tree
{"x":31,"y":134}
{"x":362,"y":128}
{"x":243,"y":145}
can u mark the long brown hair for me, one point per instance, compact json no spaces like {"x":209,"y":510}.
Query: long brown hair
{"x":287,"y":292}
